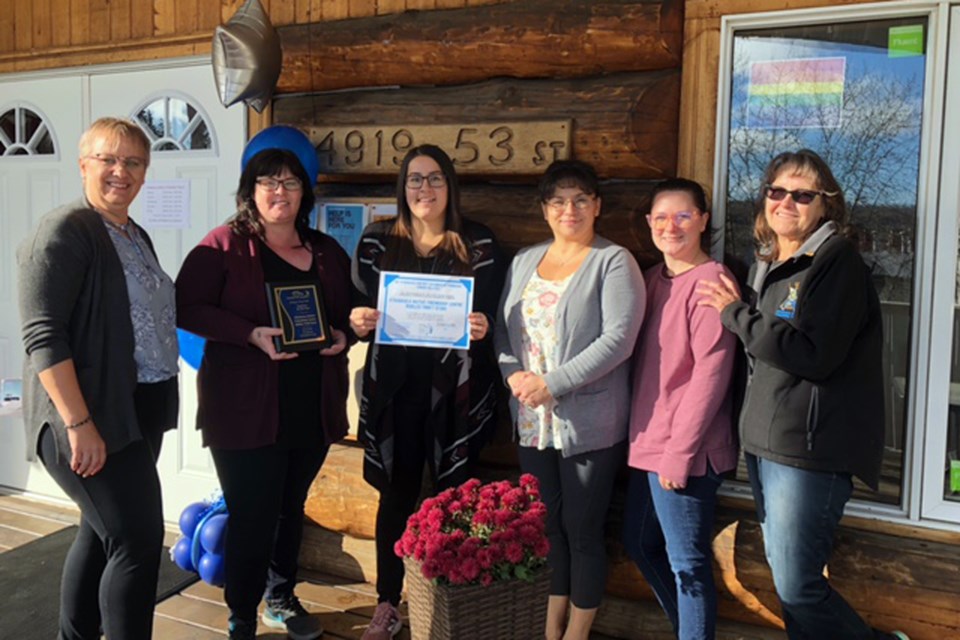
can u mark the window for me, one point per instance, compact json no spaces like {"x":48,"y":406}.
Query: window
{"x":174,"y":124}
{"x":853,"y":90}
{"x":24,"y":132}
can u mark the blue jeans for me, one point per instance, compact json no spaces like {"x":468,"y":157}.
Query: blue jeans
{"x":799,"y":511}
{"x":668,"y":535}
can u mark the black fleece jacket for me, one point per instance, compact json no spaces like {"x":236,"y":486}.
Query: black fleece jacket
{"x":812,"y":330}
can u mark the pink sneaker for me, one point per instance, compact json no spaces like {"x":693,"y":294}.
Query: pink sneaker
{"x":386,"y":623}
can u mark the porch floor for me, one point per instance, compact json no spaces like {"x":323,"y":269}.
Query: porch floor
{"x":199,"y":612}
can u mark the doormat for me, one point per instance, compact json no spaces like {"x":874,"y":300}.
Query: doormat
{"x":30,"y":585}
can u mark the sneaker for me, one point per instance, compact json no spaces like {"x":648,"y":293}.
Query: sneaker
{"x":289,"y":615}
{"x":386,"y":623}
{"x":893,"y":635}
{"x":242,"y":629}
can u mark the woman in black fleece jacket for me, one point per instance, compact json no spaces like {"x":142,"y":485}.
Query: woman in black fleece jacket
{"x":813,"y":412}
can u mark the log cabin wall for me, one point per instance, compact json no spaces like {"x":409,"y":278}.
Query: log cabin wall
{"x":625,"y":108}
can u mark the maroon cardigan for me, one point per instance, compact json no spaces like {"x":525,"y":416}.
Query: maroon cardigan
{"x":221,"y":297}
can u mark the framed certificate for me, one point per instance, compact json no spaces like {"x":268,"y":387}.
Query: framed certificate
{"x":297,"y":308}
{"x":424,"y":310}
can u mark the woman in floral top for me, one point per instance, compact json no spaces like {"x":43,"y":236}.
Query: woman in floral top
{"x":569,"y":319}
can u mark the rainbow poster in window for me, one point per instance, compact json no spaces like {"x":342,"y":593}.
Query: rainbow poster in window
{"x":799,"y":93}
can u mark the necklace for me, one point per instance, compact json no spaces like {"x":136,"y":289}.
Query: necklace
{"x":562,"y":263}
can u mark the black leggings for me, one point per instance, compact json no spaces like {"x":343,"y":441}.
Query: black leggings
{"x":110,"y":573}
{"x":265,"y":489}
{"x":412,"y":441}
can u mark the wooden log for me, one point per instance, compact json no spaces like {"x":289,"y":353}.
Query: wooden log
{"x":624,"y":124}
{"x":513,"y":212}
{"x":533,"y":39}
{"x":893,"y":581}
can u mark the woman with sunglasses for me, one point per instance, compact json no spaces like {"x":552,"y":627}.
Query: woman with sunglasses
{"x":681,"y":437}
{"x":813,"y":413}
{"x":268,"y":417}
{"x":422,"y":406}
{"x":568,"y":322}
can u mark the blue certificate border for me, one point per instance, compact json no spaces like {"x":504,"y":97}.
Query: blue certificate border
{"x":388,"y":278}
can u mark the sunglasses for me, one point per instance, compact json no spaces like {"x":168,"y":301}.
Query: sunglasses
{"x":800,"y":196}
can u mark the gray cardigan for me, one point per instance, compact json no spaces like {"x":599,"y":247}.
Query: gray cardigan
{"x":74,"y":304}
{"x":598,"y":319}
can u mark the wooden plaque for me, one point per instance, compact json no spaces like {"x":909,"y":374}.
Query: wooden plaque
{"x":508,"y":148}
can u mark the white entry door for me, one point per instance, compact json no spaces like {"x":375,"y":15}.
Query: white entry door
{"x":196,"y":142}
{"x":39,"y":131}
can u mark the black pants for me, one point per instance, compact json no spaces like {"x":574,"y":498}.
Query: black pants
{"x":265,"y":489}
{"x":577,"y":492}
{"x":110,"y":573}
{"x":412,"y":441}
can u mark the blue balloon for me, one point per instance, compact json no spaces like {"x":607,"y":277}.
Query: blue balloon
{"x":211,"y":569}
{"x":181,"y":554}
{"x":213,"y":533}
{"x":288,"y":138}
{"x":190,"y":516}
{"x":191,"y":347}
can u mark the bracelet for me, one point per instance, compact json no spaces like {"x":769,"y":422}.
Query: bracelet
{"x":89,"y":418}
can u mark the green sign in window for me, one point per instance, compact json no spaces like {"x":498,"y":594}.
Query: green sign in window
{"x":905,"y":41}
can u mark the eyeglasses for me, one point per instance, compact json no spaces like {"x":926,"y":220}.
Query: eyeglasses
{"x":679,"y":218}
{"x":271,"y":184}
{"x":800,"y":196}
{"x":130,"y":163}
{"x":580,"y":203}
{"x":435,"y":180}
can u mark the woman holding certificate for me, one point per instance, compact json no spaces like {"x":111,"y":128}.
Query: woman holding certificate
{"x":422,"y":405}
{"x":268,"y":416}
{"x":566,"y":328}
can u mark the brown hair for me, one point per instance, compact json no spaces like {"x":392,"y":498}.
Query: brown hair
{"x":806,"y":162}
{"x":270,"y":162}
{"x":696,"y":193}
{"x":400,"y":253}
{"x":117,"y":129}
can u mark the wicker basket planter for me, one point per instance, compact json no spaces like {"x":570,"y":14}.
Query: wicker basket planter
{"x":509,"y":609}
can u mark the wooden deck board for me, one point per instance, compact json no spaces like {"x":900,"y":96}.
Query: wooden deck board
{"x":344,"y":606}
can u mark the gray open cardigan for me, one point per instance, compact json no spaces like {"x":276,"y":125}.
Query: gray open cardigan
{"x":598,"y":320}
{"x":74,"y":305}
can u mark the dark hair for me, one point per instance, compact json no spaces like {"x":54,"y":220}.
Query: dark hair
{"x":807,"y":162}
{"x":696,"y":193}
{"x":270,"y":162}
{"x":568,"y":173}
{"x":400,"y":253}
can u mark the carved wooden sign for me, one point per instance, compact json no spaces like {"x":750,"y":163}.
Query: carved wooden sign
{"x":509,"y":148}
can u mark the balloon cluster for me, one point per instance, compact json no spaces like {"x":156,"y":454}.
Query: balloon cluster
{"x":201,"y":547}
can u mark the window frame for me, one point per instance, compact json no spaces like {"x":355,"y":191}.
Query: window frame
{"x":922,"y":396}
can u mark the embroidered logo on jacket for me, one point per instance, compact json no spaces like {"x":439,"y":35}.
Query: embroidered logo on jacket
{"x":788,"y":308}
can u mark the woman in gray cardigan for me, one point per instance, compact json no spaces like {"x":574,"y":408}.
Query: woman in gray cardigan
{"x":571,"y":311}
{"x":100,"y":383}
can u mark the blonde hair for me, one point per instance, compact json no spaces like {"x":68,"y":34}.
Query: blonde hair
{"x":116,"y":129}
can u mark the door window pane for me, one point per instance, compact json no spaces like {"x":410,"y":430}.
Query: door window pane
{"x":853,"y":92}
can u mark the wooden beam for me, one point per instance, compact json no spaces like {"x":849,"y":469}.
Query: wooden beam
{"x":533,"y":39}
{"x":624,"y":124}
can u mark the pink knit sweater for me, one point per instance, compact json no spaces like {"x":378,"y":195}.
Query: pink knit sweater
{"x":682,"y":368}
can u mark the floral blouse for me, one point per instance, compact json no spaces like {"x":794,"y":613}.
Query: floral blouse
{"x":152,"y":305}
{"x":540,"y":297}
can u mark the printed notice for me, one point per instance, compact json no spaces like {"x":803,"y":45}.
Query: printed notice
{"x":166,"y":204}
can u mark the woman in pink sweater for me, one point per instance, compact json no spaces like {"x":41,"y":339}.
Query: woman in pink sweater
{"x":681,"y":436}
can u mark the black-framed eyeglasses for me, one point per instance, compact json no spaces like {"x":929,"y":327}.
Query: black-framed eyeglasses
{"x":800,"y":196}
{"x":271,"y":184}
{"x":130,"y":163}
{"x":435,"y":180}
